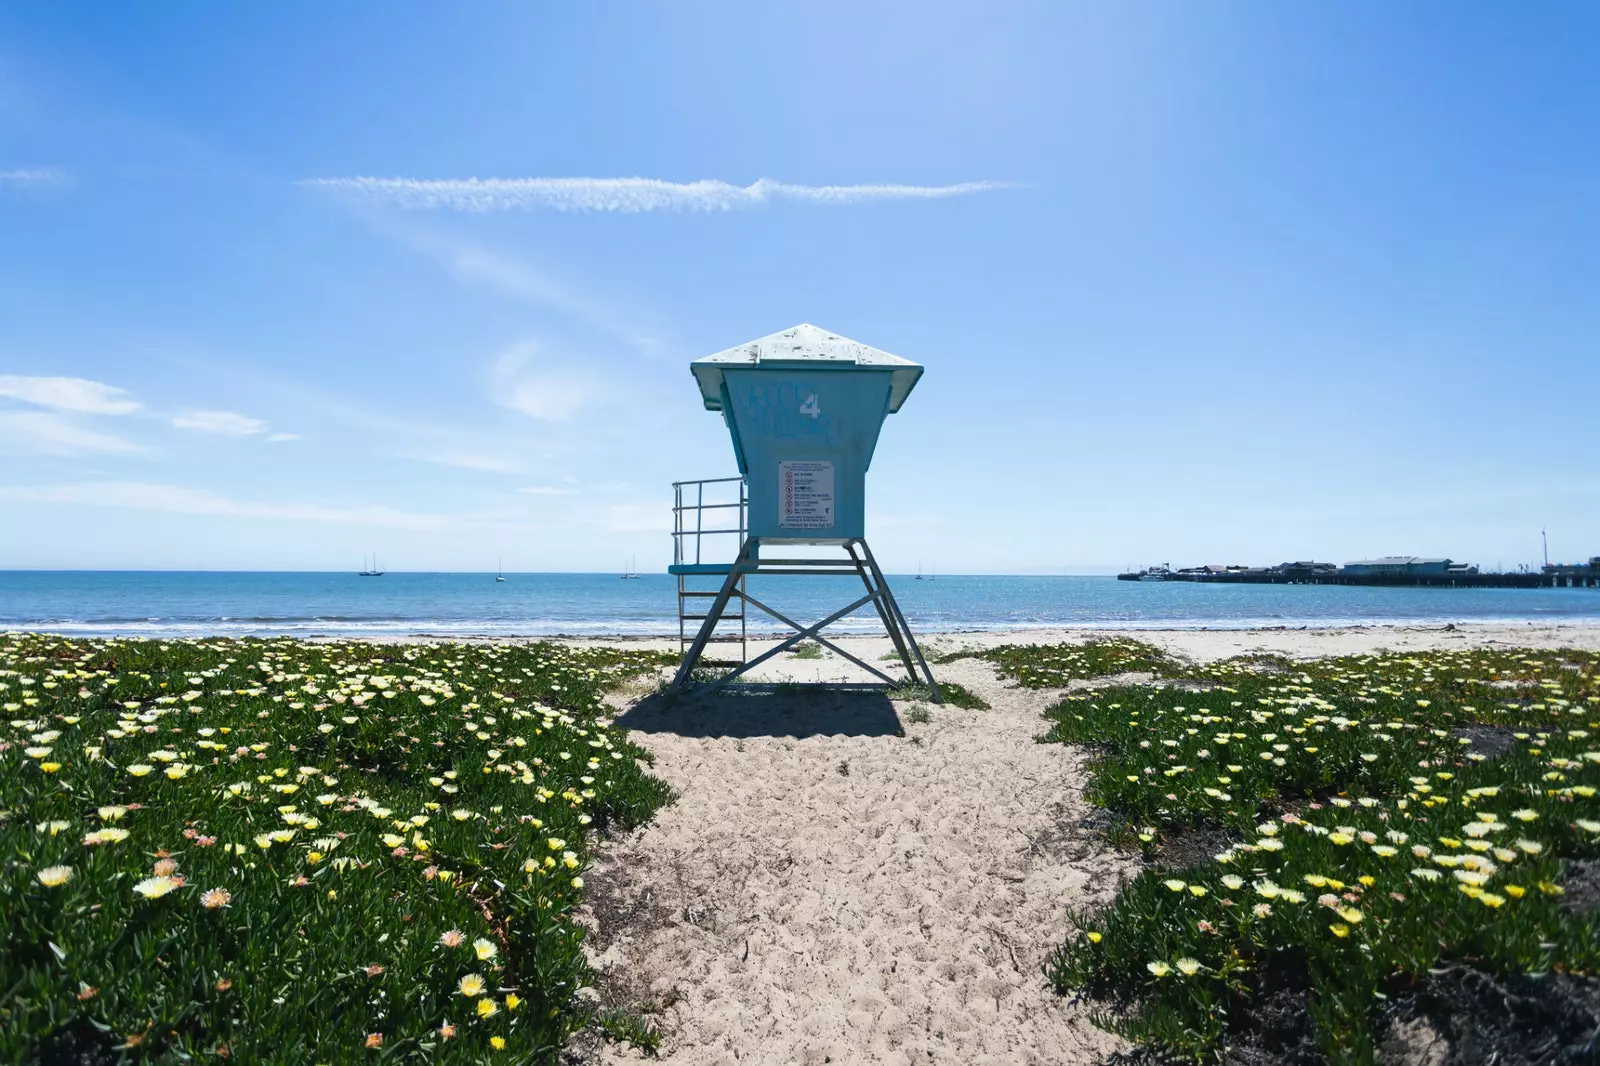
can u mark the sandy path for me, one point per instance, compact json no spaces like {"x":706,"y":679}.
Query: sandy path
{"x":783,"y":911}
{"x":897,"y":913}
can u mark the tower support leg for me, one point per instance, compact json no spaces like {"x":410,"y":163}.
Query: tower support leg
{"x":895,"y":613}
{"x":708,"y":625}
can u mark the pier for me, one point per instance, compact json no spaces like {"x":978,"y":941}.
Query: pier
{"x":1395,"y":572}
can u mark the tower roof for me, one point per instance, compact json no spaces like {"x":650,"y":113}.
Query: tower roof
{"x":807,"y":346}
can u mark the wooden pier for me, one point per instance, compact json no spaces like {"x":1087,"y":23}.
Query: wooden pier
{"x":1580,"y":576}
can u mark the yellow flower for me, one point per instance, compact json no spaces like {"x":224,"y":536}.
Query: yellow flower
{"x":49,"y":767}
{"x":1351,"y":915}
{"x":139,"y":769}
{"x":1160,"y":969}
{"x":1233,"y":881}
{"x":1515,"y":891}
{"x":1339,"y":929}
{"x":1188,"y":967}
{"x":1525,"y":815}
{"x":485,"y":949}
{"x":1095,"y":938}
{"x":109,"y":835}
{"x":497,"y":1042}
{"x":155,"y":887}
{"x":513,"y":1001}
{"x":1489,"y":899}
{"x":112,"y":814}
{"x":471,"y":985}
{"x":54,"y":876}
{"x":487,"y":1008}
{"x":392,"y":841}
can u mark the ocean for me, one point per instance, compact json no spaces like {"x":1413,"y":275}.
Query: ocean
{"x":157,"y":604}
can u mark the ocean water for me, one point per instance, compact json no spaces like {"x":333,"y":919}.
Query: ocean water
{"x":458,"y":605}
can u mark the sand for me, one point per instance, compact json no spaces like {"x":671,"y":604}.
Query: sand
{"x":843,"y":881}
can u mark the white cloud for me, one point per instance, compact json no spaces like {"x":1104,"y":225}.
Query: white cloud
{"x":142,"y":496}
{"x":46,"y":433}
{"x":476,"y":266}
{"x":68,"y":394}
{"x":550,"y":396}
{"x":494,"y":464}
{"x":279,"y":438}
{"x":626,"y":195}
{"x":639,"y":517}
{"x":225,"y":423}
{"x":36,"y":176}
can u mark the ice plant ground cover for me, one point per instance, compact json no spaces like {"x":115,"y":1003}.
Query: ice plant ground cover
{"x":274,"y":851}
{"x":1055,"y":665}
{"x":1377,"y":818}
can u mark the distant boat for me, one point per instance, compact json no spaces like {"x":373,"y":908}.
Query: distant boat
{"x":371,"y":571}
{"x":919,"y":571}
{"x":1161,"y":572}
{"x":499,"y":570}
{"x":632,"y":573}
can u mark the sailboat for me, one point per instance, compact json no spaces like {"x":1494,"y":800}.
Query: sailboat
{"x":499,"y":570}
{"x":371,"y":571}
{"x":632,"y":573}
{"x":919,"y":571}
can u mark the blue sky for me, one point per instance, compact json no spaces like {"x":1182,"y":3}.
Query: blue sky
{"x":1216,"y":283}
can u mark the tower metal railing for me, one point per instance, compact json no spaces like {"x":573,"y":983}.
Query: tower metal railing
{"x":690,"y":553}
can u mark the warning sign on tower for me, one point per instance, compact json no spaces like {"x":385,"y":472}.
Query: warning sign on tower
{"x":805,"y":494}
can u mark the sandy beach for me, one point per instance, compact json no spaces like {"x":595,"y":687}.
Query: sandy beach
{"x":849,"y":879}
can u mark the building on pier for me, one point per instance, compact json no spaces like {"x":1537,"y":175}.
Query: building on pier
{"x":1407,"y":566}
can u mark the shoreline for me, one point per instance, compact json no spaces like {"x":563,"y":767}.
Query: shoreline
{"x":1026,"y":633}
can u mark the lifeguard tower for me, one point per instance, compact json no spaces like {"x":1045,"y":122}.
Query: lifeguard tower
{"x":804,"y":408}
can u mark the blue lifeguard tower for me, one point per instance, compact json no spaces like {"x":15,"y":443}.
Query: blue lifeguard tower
{"x":804,"y":408}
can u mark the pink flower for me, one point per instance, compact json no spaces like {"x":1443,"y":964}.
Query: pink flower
{"x":213,"y":898}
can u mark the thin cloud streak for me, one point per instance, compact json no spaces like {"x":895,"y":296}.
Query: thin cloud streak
{"x":478,"y":267}
{"x":142,"y":496}
{"x":78,"y":395}
{"x":225,"y":423}
{"x":46,"y":433}
{"x":493,"y":464}
{"x":625,"y":195}
{"x":36,"y":176}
